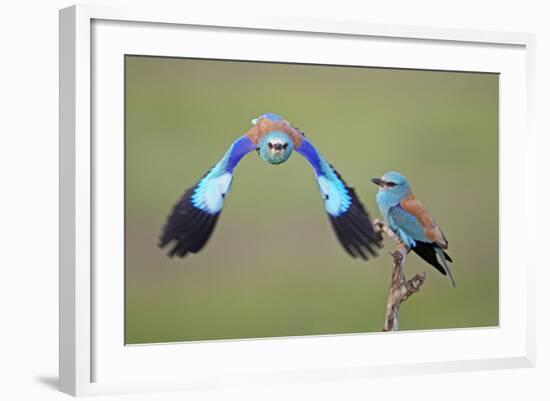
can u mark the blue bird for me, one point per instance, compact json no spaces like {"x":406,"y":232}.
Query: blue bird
{"x":410,"y":220}
{"x":194,"y":216}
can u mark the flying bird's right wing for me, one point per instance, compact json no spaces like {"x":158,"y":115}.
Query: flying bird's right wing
{"x":194,"y":216}
{"x":347,"y":215}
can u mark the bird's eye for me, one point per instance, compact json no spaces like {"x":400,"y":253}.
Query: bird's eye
{"x":390,"y":184}
{"x":270,"y":145}
{"x":285,"y":146}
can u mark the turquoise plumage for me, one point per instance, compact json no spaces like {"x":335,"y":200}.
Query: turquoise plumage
{"x":195,"y":215}
{"x":410,"y":220}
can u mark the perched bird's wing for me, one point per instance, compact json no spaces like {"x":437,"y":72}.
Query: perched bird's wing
{"x":407,"y":224}
{"x":411,"y":227}
{"x":195,"y":215}
{"x":431,"y":230}
{"x":349,"y":218}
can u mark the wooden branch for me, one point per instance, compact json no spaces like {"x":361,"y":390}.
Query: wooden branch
{"x":401,"y":288}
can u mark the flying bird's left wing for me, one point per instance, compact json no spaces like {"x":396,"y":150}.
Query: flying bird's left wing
{"x":349,"y":218}
{"x":195,"y":215}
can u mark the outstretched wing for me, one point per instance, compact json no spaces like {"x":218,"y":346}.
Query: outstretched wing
{"x":347,"y":215}
{"x":194,"y":217}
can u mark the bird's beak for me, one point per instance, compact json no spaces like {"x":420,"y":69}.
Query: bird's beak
{"x":378,"y":181}
{"x":254,"y":121}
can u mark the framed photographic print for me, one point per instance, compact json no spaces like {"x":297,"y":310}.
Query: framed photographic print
{"x":249,"y":202}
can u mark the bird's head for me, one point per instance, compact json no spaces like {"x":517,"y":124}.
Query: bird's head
{"x":393,"y":183}
{"x":275,"y":147}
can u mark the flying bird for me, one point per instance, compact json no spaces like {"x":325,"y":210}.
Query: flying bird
{"x":410,"y":220}
{"x":193,"y":218}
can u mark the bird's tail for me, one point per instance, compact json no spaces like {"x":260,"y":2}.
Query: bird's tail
{"x":443,"y":259}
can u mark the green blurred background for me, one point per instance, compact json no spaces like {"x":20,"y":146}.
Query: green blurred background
{"x":273,"y":266}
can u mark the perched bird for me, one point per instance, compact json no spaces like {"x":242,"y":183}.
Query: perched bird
{"x":410,"y":220}
{"x":194,"y":217}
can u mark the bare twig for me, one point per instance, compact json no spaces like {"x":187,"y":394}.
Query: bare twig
{"x":400,"y":288}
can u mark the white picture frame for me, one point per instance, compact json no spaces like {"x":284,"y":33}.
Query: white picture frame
{"x":93,"y":360}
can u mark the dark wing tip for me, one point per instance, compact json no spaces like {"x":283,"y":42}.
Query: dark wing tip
{"x":427,"y":252}
{"x":354,"y":228}
{"x":188,"y":227}
{"x":356,"y":234}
